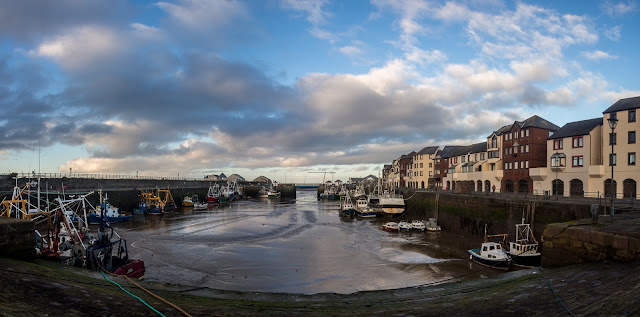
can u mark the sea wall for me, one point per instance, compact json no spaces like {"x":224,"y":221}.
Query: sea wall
{"x":468,"y":214}
{"x":17,"y":238}
{"x":583,"y":241}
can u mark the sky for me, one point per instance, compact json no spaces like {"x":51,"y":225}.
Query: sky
{"x":282,"y":88}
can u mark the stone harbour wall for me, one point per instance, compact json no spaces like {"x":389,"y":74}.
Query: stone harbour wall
{"x":17,"y":238}
{"x":583,"y":242}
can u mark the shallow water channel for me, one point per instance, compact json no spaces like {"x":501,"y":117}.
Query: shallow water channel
{"x":294,"y":246}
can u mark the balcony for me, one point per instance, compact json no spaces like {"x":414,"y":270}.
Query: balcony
{"x":596,"y":171}
{"x":538,"y":174}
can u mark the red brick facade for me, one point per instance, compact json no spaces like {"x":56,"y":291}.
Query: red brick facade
{"x":530,"y":152}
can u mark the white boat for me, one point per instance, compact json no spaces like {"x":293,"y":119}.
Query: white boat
{"x":391,"y":226}
{"x":270,"y":192}
{"x":200,"y":206}
{"x":404,"y":225}
{"x":418,"y":225}
{"x":524,"y":250}
{"x":363,"y":210}
{"x":492,"y":255}
{"x":346,"y":206}
{"x":432,"y":224}
{"x":392,"y":204}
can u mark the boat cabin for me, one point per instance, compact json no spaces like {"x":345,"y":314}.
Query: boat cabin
{"x":492,"y":250}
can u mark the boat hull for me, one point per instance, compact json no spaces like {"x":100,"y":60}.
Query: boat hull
{"x":347,"y":212}
{"x":526,"y":260}
{"x":366,"y":213}
{"x":95,"y":219}
{"x":500,"y":264}
{"x":133,"y":269}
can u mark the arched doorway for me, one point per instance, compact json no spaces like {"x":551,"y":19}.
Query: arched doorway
{"x":607,"y":188}
{"x":479,"y":186}
{"x":629,"y":188}
{"x":576,"y":188}
{"x":448,"y":185}
{"x":523,"y":186}
{"x":508,"y":186}
{"x":557,"y":187}
{"x":422,"y":184}
{"x":487,"y":186}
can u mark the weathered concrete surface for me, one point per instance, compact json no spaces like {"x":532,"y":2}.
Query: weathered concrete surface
{"x":17,"y":238}
{"x":42,"y":288}
{"x":582,"y":241}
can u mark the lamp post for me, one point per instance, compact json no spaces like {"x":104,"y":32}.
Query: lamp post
{"x":556,"y":161}
{"x":613,"y":122}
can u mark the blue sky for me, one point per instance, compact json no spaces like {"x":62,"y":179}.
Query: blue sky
{"x":284,"y":87}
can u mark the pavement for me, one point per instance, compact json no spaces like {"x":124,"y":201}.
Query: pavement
{"x":41,"y":288}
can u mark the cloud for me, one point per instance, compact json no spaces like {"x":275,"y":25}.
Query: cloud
{"x":614,"y":33}
{"x":614,"y":9}
{"x":313,"y":9}
{"x":197,"y":15}
{"x":598,"y":55}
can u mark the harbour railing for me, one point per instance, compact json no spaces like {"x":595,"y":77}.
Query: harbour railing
{"x":100,"y":176}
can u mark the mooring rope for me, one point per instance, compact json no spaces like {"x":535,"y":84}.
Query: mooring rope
{"x":132,"y":295}
{"x":556,"y":295}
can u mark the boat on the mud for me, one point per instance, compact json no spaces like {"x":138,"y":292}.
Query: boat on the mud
{"x":417,"y":225}
{"x":270,"y":192}
{"x":74,"y":244}
{"x":107,"y":212}
{"x":404,"y":225}
{"x":391,"y":226}
{"x":213,"y":195}
{"x":491,"y":254}
{"x":200,"y":206}
{"x":346,"y":206}
{"x":524,"y":250}
{"x":363,"y":210}
{"x":432,"y":224}
{"x":153,"y":204}
{"x":188,"y":201}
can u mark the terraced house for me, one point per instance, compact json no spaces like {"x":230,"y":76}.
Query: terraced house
{"x":536,"y":156}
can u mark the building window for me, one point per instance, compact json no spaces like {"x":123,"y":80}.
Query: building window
{"x":632,"y":158}
{"x":526,"y":162}
{"x":515,"y":165}
{"x":522,"y":133}
{"x":577,"y":161}
{"x":577,"y":141}
{"x":515,"y":134}
{"x":494,"y":142}
{"x":482,"y":155}
{"x":526,"y":132}
{"x":430,"y":165}
{"x":526,"y":147}
{"x":613,"y":115}
{"x":557,"y":144}
{"x":632,"y":115}
{"x":430,"y":173}
{"x":612,"y":159}
{"x":420,"y":156}
{"x":420,"y":165}
{"x":420,"y":173}
{"x":632,"y":137}
{"x":612,"y":138}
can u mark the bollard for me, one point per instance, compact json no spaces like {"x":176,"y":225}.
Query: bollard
{"x":595,"y":211}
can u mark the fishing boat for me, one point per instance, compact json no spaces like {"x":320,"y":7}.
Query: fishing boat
{"x":391,"y":204}
{"x":187,"y":201}
{"x":213,"y":195}
{"x":270,"y":192}
{"x":391,"y":226}
{"x":363,"y":210}
{"x":107,"y":212}
{"x":432,"y":225}
{"x":490,"y":253}
{"x":200,"y":206}
{"x":404,"y":225}
{"x":74,"y":244}
{"x":346,"y":206}
{"x":418,"y":225}
{"x":524,"y":250}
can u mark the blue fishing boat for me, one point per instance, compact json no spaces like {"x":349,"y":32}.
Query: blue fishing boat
{"x":492,"y":255}
{"x":107,"y":212}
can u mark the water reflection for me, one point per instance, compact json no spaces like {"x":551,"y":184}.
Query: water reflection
{"x":297,"y":245}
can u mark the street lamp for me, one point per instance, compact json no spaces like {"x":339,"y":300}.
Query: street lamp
{"x":558,"y":161}
{"x":613,"y":122}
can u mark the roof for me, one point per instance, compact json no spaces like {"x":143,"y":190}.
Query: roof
{"x":576,"y":128}
{"x":448,"y":151}
{"x":537,"y":122}
{"x":624,"y":104}
{"x":469,"y":149}
{"x":429,"y":150}
{"x":502,"y":130}
{"x":387,"y":166}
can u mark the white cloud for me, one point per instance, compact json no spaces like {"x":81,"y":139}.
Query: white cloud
{"x":82,"y":47}
{"x":315,"y":14}
{"x":598,"y":55}
{"x":351,"y":50}
{"x":617,"y":9}
{"x":613,"y":33}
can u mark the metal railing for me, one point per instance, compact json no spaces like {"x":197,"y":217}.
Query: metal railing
{"x":99,"y":176}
